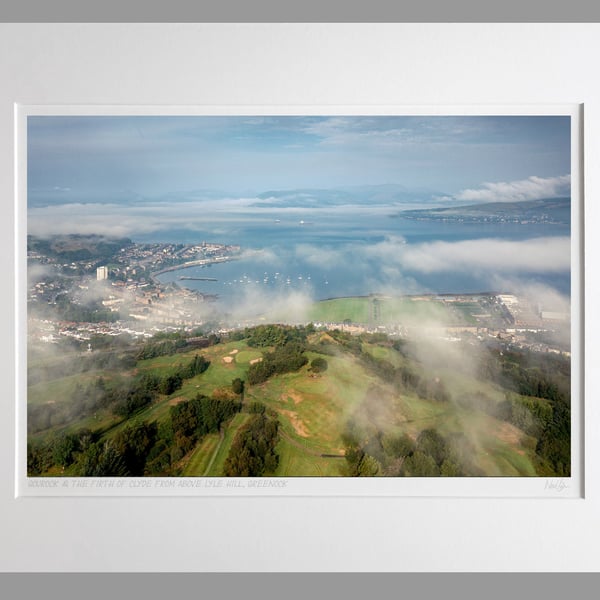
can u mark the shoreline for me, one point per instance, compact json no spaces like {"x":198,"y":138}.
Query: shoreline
{"x":195,"y":263}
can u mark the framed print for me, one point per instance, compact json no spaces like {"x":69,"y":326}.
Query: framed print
{"x":380,"y":301}
{"x":440,"y":180}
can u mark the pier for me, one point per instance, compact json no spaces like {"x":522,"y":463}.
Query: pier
{"x":184,"y":278}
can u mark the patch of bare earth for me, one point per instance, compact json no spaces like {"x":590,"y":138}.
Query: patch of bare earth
{"x":330,"y":340}
{"x":509,"y":433}
{"x":174,"y":401}
{"x":296,"y":397}
{"x":296,"y":422}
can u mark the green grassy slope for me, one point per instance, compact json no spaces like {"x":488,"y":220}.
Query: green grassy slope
{"x":314,"y":409}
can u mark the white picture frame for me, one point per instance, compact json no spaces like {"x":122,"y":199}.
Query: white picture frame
{"x":526,"y":487}
{"x":107,"y":53}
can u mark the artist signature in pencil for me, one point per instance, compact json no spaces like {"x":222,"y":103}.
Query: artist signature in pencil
{"x":557,"y":486}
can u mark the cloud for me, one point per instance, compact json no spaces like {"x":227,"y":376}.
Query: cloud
{"x":532,"y":188}
{"x":395,"y":266}
{"x":194,"y":214}
{"x":271,"y":257}
{"x":323,"y":256}
{"x":139,"y":218}
{"x":37,"y":272}
{"x":443,"y":199}
{"x":383,"y":131}
{"x":539,"y":255}
{"x":270,"y":305}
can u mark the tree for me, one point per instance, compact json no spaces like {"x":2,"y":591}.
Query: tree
{"x":449,"y":469}
{"x":102,"y":460}
{"x":318,"y":365}
{"x":431,"y":443}
{"x":398,"y":446}
{"x":63,"y":449}
{"x":134,"y":443}
{"x":257,"y":408}
{"x":420,"y":465}
{"x":170,"y":383}
{"x":237,"y":385}
{"x":252,"y":452}
{"x":39,"y":458}
{"x":368,"y":466}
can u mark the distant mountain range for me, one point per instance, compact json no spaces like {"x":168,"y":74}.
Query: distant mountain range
{"x":365,"y":194}
{"x":547,"y":210}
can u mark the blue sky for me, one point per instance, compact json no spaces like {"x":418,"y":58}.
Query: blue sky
{"x":122,"y":159}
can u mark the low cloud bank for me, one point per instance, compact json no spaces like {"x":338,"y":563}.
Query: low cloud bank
{"x":532,"y":188}
{"x":539,"y":255}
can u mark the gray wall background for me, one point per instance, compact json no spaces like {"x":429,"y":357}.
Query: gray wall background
{"x":295,"y":586}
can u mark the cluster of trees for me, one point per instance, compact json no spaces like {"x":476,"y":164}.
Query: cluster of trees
{"x":252,"y":452}
{"x":284,"y":359}
{"x":398,"y":455}
{"x":161,"y":347}
{"x":540,"y":404}
{"x":173,"y":381}
{"x":195,"y":418}
{"x":554,"y":444}
{"x":123,"y":397}
{"x":548,"y":422}
{"x":147,"y":448}
{"x":288,"y":354}
{"x":435,"y":456}
{"x":126,"y":401}
{"x":125,"y":455}
{"x":59,"y":450}
{"x":167,"y":343}
{"x":140,"y":448}
{"x":122,"y":455}
{"x":529,"y":373}
{"x":318,"y":365}
{"x":264,"y":336}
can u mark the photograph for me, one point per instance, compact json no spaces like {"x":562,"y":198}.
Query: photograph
{"x":329,"y":294}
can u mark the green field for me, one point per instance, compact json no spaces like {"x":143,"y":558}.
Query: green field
{"x":385,"y":310}
{"x":355,"y":310}
{"x":297,"y":462}
{"x":201,"y":456}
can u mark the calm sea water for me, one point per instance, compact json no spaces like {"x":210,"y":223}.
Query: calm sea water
{"x":335,"y":256}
